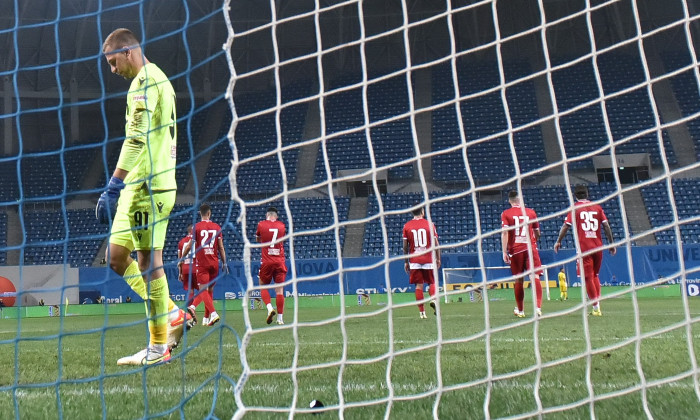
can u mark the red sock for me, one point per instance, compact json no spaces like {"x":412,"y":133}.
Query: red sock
{"x":597,"y":287}
{"x":265,"y":295}
{"x":208,"y":304}
{"x":538,"y":291}
{"x":197,"y":300}
{"x":419,"y":296}
{"x":590,"y":290}
{"x":519,"y":295}
{"x":190,"y":298}
{"x":432,"y":290}
{"x":279,"y":299}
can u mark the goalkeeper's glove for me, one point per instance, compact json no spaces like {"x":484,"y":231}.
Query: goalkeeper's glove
{"x":107,"y":203}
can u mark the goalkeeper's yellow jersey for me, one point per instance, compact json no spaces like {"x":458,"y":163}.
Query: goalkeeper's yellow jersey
{"x":149,"y":149}
{"x":562,"y":280}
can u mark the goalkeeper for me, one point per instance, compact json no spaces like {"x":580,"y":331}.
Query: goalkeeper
{"x":143,"y":189}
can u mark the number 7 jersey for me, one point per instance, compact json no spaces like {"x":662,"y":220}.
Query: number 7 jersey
{"x":269,"y":233}
{"x":589,"y":219}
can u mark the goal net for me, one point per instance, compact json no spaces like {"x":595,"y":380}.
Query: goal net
{"x":472,"y":284}
{"x":346,"y":116}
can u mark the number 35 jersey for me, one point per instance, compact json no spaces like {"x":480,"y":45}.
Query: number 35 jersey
{"x":205,"y":235}
{"x":419,"y":233}
{"x":269,"y":233}
{"x":588,"y":220}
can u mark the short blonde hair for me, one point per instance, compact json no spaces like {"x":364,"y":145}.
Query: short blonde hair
{"x":120,"y":38}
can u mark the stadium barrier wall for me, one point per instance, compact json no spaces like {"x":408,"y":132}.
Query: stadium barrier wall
{"x":52,"y":283}
{"x":224,"y":306}
{"x":55,"y":283}
{"x":648,"y":264}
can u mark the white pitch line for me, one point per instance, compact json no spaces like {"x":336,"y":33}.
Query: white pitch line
{"x":665,"y":336}
{"x":408,"y":388}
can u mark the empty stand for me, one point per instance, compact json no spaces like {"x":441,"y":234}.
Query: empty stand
{"x":658,"y":203}
{"x":483,"y":116}
{"x":53,"y":237}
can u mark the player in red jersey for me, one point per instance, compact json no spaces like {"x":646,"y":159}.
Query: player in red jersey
{"x":273,"y":266}
{"x":589,"y":219}
{"x":520,"y":234}
{"x":186,"y":273}
{"x":209,"y":247}
{"x":419,"y":236}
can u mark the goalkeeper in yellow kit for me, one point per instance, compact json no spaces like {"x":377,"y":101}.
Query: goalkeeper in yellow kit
{"x":143,"y":189}
{"x":563,"y":287}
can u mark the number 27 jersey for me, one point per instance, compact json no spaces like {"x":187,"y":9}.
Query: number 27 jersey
{"x":588,"y":219}
{"x":205,"y":235}
{"x":419,"y":233}
{"x":269,"y":233}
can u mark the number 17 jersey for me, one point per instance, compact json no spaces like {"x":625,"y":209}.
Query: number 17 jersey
{"x":523,"y":223}
{"x":269,"y":233}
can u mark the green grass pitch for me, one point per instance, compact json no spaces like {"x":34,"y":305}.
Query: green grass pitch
{"x":443,"y":371}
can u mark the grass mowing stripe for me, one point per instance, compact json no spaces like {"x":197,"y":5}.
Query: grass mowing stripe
{"x":186,"y":385}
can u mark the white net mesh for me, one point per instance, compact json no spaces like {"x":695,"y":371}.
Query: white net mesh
{"x":373,"y":110}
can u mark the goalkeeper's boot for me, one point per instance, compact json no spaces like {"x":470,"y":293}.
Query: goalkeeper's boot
{"x":432,"y":305}
{"x":148,"y":356}
{"x":134,"y":359}
{"x":178,"y":320}
{"x":270,"y":315}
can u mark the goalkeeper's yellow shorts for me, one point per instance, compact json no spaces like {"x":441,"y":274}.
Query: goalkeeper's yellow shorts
{"x":141,"y":221}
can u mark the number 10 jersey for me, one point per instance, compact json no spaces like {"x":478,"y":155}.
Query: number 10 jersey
{"x":419,"y":233}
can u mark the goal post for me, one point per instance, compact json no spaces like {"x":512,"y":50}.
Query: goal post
{"x":470,"y":281}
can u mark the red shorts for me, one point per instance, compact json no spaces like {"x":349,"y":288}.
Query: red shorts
{"x":207,"y":275}
{"x":520,"y":263}
{"x":273,"y":270}
{"x":421,"y":276}
{"x":591,"y":265}
{"x":186,"y":280}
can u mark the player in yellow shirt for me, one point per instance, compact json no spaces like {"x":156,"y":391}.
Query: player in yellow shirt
{"x":144,"y":185}
{"x":563,"y":287}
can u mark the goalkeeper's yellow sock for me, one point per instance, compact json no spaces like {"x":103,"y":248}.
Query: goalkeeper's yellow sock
{"x":158,"y":321}
{"x":134,"y":279}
